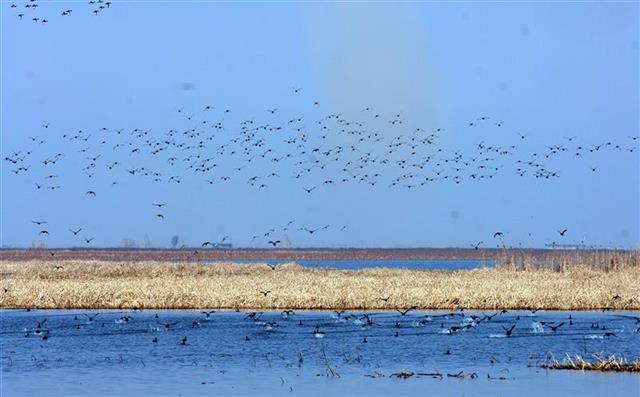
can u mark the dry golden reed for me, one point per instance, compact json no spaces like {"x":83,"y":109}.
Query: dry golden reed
{"x":161,"y":285}
{"x":603,"y":364}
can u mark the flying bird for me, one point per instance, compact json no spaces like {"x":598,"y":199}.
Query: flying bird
{"x":509,"y":331}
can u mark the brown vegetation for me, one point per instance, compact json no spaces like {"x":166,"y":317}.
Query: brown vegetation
{"x":161,"y":285}
{"x":604,"y":364}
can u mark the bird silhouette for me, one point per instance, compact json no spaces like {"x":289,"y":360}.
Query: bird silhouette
{"x":509,"y":331}
{"x":405,"y":311}
{"x":554,"y":327}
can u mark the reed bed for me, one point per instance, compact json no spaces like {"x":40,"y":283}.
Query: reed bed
{"x":603,"y":364}
{"x":160,"y":285}
{"x":559,"y":260}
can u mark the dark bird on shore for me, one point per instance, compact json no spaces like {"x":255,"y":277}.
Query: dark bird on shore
{"x":75,"y":232}
{"x":272,"y":265}
{"x":562,"y":232}
{"x":265,"y":293}
{"x":509,"y":331}
{"x":385,"y":300}
{"x":405,"y":311}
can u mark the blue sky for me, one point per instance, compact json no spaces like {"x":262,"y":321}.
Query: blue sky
{"x":546,"y":70}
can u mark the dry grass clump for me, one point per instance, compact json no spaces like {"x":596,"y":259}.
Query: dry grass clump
{"x":161,"y":285}
{"x":604,"y":364}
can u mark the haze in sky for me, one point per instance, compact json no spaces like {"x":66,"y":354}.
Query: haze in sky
{"x":466,"y":81}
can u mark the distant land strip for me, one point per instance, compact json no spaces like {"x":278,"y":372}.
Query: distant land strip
{"x":239,"y":254}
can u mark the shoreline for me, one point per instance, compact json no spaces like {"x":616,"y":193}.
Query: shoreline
{"x":194,"y":286}
{"x":195,"y":254}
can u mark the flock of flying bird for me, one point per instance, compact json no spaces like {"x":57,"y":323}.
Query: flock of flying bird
{"x":30,"y":10}
{"x":310,"y":152}
{"x":314,"y":150}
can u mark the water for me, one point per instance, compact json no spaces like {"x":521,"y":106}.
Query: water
{"x":393,"y":263}
{"x":113,"y":353}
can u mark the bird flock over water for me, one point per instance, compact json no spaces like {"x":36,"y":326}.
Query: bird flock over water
{"x":362,"y":326}
{"x":309,"y":151}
